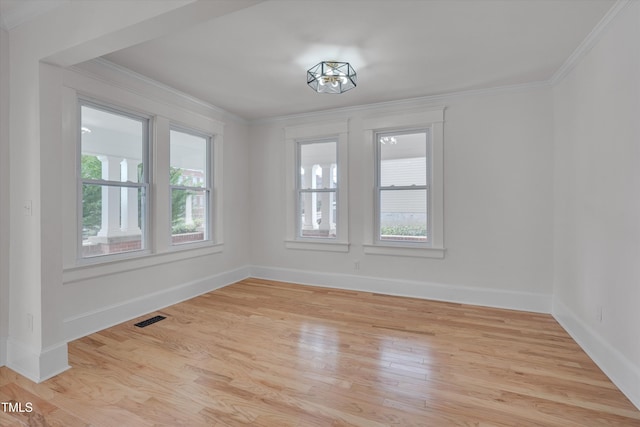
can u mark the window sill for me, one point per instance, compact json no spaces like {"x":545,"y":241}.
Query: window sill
{"x":317,"y":246}
{"x":99,"y":268}
{"x":406,"y":251}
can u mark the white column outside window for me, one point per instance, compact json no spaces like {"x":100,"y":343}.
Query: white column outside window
{"x":325,"y":209}
{"x":308,"y":203}
{"x":129,"y":199}
{"x":110,"y":225}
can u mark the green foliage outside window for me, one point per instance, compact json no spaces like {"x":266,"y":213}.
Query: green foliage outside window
{"x":403,"y":230}
{"x":179,"y":203}
{"x":91,"y":168}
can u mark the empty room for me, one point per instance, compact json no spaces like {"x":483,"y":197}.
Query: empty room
{"x":319,"y":213}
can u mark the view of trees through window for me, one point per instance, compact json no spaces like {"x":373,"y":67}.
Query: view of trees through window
{"x":112,"y":180}
{"x":189,"y":186}
{"x":92,"y":200}
{"x":179,"y":204}
{"x":91,"y":197}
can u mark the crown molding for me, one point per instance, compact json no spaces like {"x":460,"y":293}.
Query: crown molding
{"x":407,"y":103}
{"x":585,"y":46}
{"x":101,"y":62}
{"x":590,"y":41}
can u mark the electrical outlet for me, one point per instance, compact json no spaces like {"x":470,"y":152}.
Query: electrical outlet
{"x":356,"y":265}
{"x":28,"y":208}
{"x":30,"y":322}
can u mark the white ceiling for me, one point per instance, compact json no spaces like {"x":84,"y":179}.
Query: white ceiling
{"x":253,"y":62}
{"x":15,"y":12}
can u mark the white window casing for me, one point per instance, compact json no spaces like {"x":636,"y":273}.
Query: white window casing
{"x":161,"y":117}
{"x":431,"y":122}
{"x":295,"y":138}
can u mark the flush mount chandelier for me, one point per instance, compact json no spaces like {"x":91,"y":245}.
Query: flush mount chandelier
{"x":331,"y":77}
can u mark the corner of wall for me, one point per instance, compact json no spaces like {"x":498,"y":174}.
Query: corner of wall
{"x":622,"y":372}
{"x":36,"y":365}
{"x":4,"y":195}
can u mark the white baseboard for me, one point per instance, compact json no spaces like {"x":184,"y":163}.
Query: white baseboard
{"x":37,"y":365}
{"x":514,"y":300}
{"x":3,"y":351}
{"x":622,"y":372}
{"x":97,"y":320}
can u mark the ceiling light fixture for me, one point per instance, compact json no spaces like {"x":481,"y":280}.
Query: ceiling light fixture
{"x":331,"y":77}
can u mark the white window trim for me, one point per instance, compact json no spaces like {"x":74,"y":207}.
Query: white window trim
{"x":433,"y":120}
{"x":308,"y":132}
{"x":158,"y":250}
{"x":208,"y":188}
{"x":161,"y":214}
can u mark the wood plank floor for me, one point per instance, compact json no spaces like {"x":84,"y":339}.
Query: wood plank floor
{"x":262,"y":353}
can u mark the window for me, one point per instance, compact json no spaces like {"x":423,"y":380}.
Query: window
{"x":317,"y":209}
{"x":113,"y":180}
{"x":406,"y":217}
{"x":402,"y":187}
{"x":316,"y":189}
{"x":190,"y":186}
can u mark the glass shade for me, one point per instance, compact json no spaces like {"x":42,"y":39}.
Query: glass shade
{"x":331,"y":77}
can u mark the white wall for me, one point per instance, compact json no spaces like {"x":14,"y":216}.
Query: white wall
{"x":4,"y":193}
{"x":93,"y":297}
{"x":500,"y":195}
{"x":597,"y":202}
{"x":498,"y":215}
{"x":75,"y":32}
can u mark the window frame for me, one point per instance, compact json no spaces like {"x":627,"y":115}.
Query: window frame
{"x":209,"y":236}
{"x":379,"y":188}
{"x":431,"y":120}
{"x":145,"y":185}
{"x":307,"y":133}
{"x":300,"y":190}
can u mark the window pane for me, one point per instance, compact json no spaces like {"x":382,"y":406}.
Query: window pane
{"x":189,"y":167}
{"x":112,"y":219}
{"x":188,"y":216}
{"x":318,"y":214}
{"x":188,"y":158}
{"x":318,"y":165}
{"x":403,"y":215}
{"x":403,"y":159}
{"x":112,"y":145}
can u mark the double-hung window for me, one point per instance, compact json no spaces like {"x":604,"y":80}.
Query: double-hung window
{"x":190,"y":185}
{"x":402,"y":186}
{"x":405,"y":175}
{"x":316,"y":189}
{"x":113,"y":180}
{"x":317,"y":208}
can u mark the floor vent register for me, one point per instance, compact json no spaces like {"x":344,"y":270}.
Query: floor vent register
{"x":150,"y":321}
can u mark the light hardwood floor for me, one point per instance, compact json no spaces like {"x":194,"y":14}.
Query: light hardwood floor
{"x":262,"y":353}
